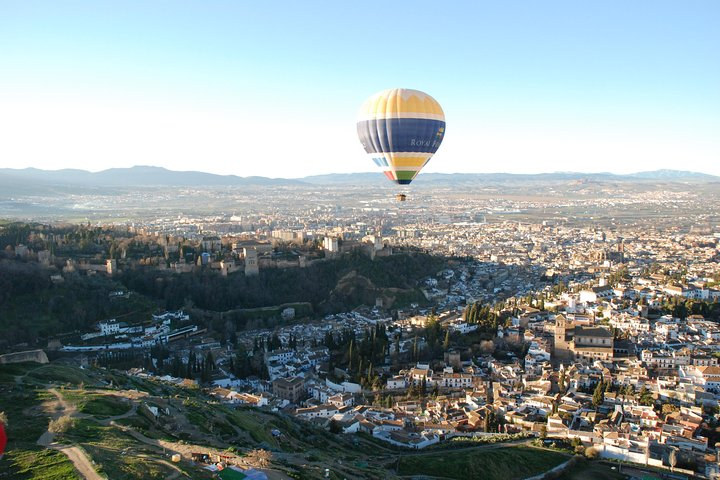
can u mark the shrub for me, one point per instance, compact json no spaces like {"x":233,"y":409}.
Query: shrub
{"x":61,"y":425}
{"x":592,"y":453}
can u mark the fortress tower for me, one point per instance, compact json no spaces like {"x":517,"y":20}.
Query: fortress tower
{"x":251,"y":262}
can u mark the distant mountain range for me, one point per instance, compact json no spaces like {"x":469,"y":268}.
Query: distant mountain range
{"x":501,"y":178}
{"x":20,"y":180}
{"x":135,"y":176}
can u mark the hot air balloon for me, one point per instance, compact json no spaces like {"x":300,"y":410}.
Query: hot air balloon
{"x":400,"y":130}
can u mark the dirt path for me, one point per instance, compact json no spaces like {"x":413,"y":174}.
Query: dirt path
{"x":56,"y":409}
{"x":110,"y":420}
{"x":59,"y":407}
{"x":63,"y":408}
{"x":177,"y":472}
{"x":45,"y":439}
{"x":186,"y":451}
{"x":79,"y":459}
{"x":19,"y":378}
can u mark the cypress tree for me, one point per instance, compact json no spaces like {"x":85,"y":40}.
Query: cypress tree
{"x":598,"y":395}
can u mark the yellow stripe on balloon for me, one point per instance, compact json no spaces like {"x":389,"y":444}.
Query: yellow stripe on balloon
{"x":399,"y":101}
{"x":408,"y":161}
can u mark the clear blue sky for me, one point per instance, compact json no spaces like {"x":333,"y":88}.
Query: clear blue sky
{"x":273,"y":88}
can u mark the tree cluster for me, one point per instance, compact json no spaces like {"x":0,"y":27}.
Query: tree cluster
{"x":244,"y":365}
{"x":358,"y":356}
{"x":32,"y":307}
{"x":315,"y":284}
{"x":682,"y":308}
{"x":482,"y":315}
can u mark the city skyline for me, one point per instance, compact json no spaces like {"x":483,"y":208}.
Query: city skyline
{"x":245,"y":89}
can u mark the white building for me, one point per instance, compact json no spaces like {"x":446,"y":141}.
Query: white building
{"x":110,"y":327}
{"x":331,"y":244}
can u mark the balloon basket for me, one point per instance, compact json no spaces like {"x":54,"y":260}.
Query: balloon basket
{"x":400,"y":197}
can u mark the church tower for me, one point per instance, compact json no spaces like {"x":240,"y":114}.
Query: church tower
{"x":561,"y":347}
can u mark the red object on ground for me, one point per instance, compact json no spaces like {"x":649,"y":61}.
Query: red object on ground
{"x":3,"y":439}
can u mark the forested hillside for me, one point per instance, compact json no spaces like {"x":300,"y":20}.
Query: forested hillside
{"x":33,"y":308}
{"x":315,"y":284}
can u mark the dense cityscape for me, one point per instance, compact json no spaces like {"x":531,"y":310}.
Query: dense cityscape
{"x":359,"y":240}
{"x":585,"y":321}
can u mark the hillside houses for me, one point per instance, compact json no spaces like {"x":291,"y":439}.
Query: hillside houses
{"x":627,"y":334}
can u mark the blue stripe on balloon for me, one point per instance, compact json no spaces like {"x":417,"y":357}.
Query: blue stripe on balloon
{"x":395,"y":135}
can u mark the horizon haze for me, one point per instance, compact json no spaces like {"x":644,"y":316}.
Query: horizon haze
{"x":267,"y":90}
{"x":138,"y":175}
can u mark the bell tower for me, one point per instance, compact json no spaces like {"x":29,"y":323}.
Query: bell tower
{"x":561,"y":348}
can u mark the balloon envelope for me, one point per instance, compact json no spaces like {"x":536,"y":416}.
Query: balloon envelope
{"x":400,"y":130}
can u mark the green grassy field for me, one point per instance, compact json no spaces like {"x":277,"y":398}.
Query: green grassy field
{"x":105,"y":405}
{"x":116,"y":454}
{"x":24,"y":459}
{"x":59,"y":374}
{"x":230,"y":474}
{"x":199,"y":420}
{"x":489,"y":464}
{"x":259,"y":432}
{"x":37,"y":463}
{"x":585,"y":470}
